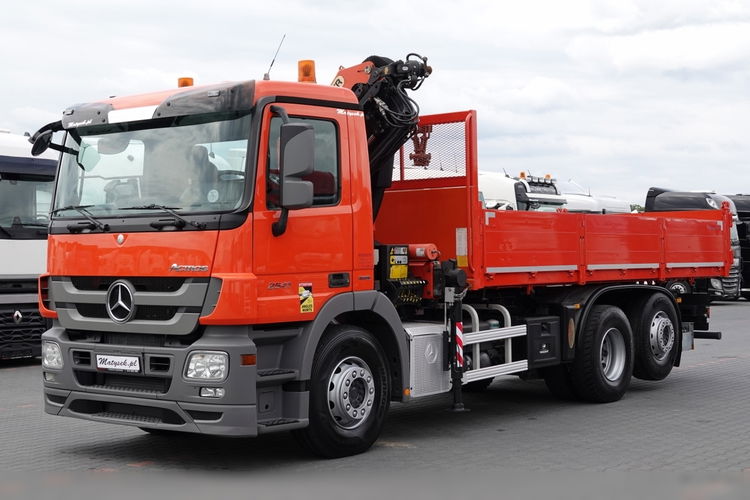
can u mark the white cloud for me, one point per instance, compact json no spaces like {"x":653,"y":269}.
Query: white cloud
{"x":686,"y":48}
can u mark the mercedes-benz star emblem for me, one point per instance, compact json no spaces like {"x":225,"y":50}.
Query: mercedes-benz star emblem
{"x":120,"y":306}
{"x":17,"y":317}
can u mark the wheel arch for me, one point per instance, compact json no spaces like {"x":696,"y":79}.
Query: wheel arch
{"x":370,"y":310}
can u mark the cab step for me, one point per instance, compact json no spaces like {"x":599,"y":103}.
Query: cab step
{"x":275,"y":376}
{"x":280,"y":424}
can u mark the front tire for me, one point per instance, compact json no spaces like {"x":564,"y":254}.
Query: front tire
{"x":349,"y":394}
{"x":655,"y":338}
{"x":603,"y":364}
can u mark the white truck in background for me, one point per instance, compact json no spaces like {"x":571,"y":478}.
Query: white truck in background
{"x":543,"y":194}
{"x":578,"y":199}
{"x":501,"y":191}
{"x":25,"y":194}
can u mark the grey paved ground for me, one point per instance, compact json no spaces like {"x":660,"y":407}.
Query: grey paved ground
{"x":696,"y":420}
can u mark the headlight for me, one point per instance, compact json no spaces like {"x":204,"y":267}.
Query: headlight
{"x":51,"y":355}
{"x":207,"y":366}
{"x":716,"y":283}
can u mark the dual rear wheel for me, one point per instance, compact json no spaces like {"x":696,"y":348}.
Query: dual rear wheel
{"x":612,"y":348}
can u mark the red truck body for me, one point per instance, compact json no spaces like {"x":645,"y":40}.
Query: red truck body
{"x":502,"y":248}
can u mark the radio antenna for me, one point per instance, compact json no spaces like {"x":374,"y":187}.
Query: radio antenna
{"x":267,"y":75}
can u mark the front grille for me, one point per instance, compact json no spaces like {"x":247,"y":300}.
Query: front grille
{"x":22,"y":338}
{"x":18,"y":286}
{"x":30,"y":318}
{"x":92,"y":310}
{"x":171,"y":305}
{"x":141,"y":284}
{"x":150,"y":313}
{"x":123,"y":383}
{"x":731,"y":283}
{"x":133,"y":339}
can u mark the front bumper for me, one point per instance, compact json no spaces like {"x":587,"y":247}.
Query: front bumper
{"x":224,"y":420}
{"x":158,"y":396}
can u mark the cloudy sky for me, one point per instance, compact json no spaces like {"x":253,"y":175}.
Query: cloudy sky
{"x":619,"y":95}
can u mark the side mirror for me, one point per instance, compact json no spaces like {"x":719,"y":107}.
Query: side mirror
{"x":41,"y":143}
{"x":297,"y":145}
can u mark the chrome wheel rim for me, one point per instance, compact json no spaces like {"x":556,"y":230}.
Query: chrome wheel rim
{"x":661,"y":335}
{"x":612,"y":354}
{"x":678,"y":288}
{"x":351,"y":393}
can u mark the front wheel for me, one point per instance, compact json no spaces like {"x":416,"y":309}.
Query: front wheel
{"x":603,"y":365}
{"x":349,"y":394}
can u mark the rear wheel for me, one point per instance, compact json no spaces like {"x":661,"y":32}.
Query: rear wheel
{"x":603,"y":365}
{"x":655,"y":338}
{"x":679,"y":287}
{"x":349,"y":394}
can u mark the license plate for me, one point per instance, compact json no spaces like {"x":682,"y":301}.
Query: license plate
{"x":118,"y":363}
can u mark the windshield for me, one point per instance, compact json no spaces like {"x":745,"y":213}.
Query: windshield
{"x":191,"y":164}
{"x":24,"y":205}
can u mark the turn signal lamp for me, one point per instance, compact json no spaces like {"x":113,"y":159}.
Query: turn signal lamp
{"x":306,"y":71}
{"x":185,"y":81}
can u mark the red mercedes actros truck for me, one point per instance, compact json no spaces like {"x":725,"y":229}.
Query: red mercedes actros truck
{"x":263,"y":256}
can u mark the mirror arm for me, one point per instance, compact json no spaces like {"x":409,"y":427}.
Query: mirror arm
{"x":279,"y":227}
{"x":278,"y":110}
{"x":54,"y":127}
{"x":63,"y":149}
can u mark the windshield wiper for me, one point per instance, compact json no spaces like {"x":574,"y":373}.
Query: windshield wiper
{"x":81,"y":209}
{"x":179,"y":220}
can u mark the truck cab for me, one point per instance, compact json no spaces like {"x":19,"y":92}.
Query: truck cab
{"x":25,"y":194}
{"x":742,"y":203}
{"x":503,"y":192}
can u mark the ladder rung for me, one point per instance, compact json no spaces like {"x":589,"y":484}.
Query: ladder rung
{"x":494,"y":334}
{"x":494,"y":371}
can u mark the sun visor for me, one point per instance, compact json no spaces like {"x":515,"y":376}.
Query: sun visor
{"x":212,"y":99}
{"x":84,"y":115}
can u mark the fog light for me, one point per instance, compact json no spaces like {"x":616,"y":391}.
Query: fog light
{"x":716,"y":283}
{"x":49,"y":377}
{"x":207,"y":366}
{"x":212,"y":392}
{"x":51,"y":355}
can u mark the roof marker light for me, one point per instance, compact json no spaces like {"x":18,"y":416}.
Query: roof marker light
{"x":185,"y":81}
